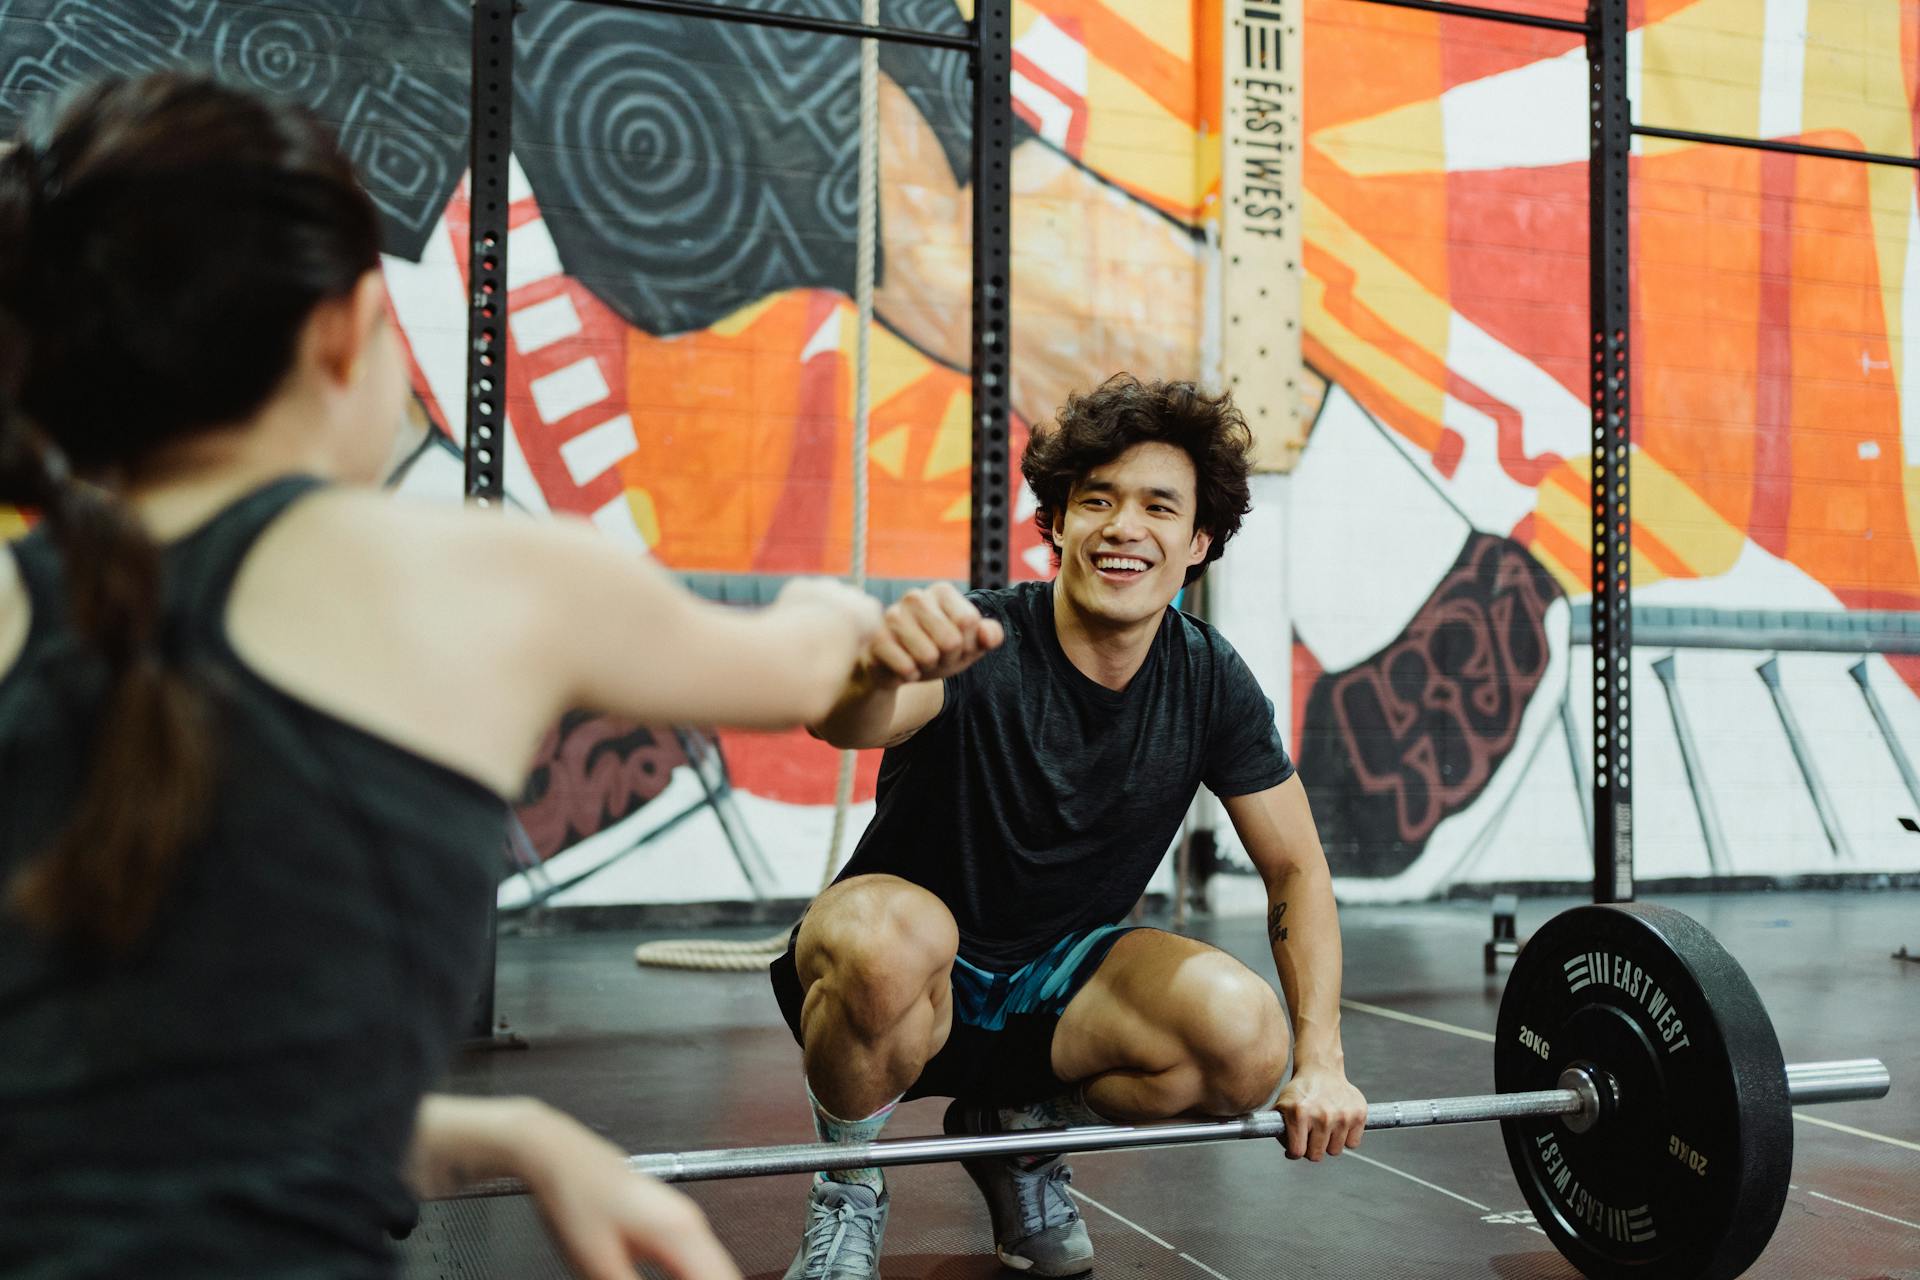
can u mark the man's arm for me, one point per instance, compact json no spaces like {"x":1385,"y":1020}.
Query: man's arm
{"x":1324,"y":1112}
{"x":896,"y":686}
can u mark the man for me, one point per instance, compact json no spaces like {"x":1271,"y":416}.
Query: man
{"x":1043,"y":745}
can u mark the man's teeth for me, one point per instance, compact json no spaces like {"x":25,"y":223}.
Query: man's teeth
{"x":1121,"y":563}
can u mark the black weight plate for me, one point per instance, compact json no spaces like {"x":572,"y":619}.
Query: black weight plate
{"x":1688,"y":1176}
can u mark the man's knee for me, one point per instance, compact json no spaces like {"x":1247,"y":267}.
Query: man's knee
{"x":876,"y":946}
{"x":1236,"y":1031}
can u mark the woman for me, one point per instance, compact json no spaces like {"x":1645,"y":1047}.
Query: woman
{"x":257,"y":723}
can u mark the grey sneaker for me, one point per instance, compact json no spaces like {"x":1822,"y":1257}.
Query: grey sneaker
{"x":1036,"y":1224}
{"x":845,"y":1223}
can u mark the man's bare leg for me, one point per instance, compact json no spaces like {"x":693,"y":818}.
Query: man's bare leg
{"x":1171,"y":1027}
{"x":875,"y":961}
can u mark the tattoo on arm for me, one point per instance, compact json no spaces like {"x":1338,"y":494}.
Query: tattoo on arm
{"x":1277,"y":932}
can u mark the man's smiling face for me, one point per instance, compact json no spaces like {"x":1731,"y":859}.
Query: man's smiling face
{"x":1126,"y":536}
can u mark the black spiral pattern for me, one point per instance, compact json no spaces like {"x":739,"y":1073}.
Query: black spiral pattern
{"x":389,"y":76}
{"x":686,"y":168}
{"x":937,"y":81}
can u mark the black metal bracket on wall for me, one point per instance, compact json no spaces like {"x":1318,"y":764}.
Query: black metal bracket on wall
{"x":990,"y":560}
{"x":1609,"y":397}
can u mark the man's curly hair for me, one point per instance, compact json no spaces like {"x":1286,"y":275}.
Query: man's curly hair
{"x":1093,"y":429}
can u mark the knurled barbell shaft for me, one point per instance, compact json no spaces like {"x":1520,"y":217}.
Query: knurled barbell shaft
{"x":1807,"y":1082}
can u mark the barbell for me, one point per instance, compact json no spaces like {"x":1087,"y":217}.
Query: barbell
{"x":1642,"y":1096}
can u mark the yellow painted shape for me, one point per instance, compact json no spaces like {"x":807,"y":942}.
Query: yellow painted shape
{"x":889,"y":452}
{"x":1570,"y":582}
{"x":1569,"y":514}
{"x":1365,"y":358}
{"x":1700,"y":69}
{"x":738,"y":322}
{"x":1854,"y":80}
{"x":894,"y":364}
{"x":1855,"y":83}
{"x":645,"y":518}
{"x":960,"y":509}
{"x":1407,"y":139}
{"x":1166,"y":23}
{"x":1665,"y":506}
{"x":1382,"y":285}
{"x":1136,"y":142}
{"x":953,"y":439}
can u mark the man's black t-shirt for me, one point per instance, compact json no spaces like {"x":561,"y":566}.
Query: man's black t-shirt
{"x":1038,"y":801}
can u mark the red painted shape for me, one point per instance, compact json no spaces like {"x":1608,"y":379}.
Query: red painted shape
{"x":794,"y":767}
{"x":1773,"y":404}
{"x":1075,"y":103}
{"x":1517,"y":262}
{"x":1306,"y":673}
{"x":801,"y":515}
{"x":1907,"y":667}
{"x":1472,"y":49}
{"x":1510,"y":434}
{"x":1447,"y":454}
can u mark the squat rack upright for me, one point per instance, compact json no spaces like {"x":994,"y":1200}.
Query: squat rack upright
{"x":988,"y":45}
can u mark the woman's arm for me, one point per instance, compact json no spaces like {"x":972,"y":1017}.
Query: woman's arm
{"x":603,"y":1216}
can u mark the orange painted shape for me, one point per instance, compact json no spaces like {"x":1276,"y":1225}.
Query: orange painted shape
{"x":1424,"y":432}
{"x":1165,"y":77}
{"x":1404,"y":216}
{"x":1363,"y":59}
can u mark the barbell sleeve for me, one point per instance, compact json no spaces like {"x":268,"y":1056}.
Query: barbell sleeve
{"x":1847,"y":1080}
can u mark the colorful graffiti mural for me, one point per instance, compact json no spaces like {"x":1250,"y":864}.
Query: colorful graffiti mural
{"x":1776,"y":348}
{"x":682,"y":365}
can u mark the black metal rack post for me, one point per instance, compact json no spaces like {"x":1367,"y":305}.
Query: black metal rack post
{"x":990,"y":559}
{"x":1610,"y":395}
{"x":990,"y":46}
{"x":1610,"y":304}
{"x":490,"y":145}
{"x":490,"y":140}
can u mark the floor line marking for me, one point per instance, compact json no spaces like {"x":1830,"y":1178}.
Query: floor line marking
{"x":1382,"y":1011}
{"x":1848,"y":1204}
{"x":1081,"y":1195}
{"x":1858,"y":1133}
{"x":1422,"y":1181}
{"x":1203,"y":1266}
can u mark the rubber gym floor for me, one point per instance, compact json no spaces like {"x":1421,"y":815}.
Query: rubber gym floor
{"x":660,"y":1061}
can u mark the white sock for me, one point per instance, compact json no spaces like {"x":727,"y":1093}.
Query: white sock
{"x":832,"y":1128}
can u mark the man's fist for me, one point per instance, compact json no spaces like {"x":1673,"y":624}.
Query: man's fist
{"x":928,"y":634}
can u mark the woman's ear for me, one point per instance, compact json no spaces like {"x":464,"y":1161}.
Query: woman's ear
{"x":342,"y":330}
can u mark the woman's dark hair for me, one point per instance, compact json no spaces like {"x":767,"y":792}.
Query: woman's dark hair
{"x":163,"y":241}
{"x":1093,"y":429}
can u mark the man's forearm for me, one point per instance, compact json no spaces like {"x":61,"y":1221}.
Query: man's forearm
{"x":862,"y":715}
{"x":1303,"y":928}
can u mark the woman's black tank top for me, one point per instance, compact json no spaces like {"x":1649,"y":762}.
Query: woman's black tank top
{"x":235,"y":1096}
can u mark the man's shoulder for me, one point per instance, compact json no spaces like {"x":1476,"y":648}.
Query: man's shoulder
{"x":1015,"y":596}
{"x":1017,"y":607}
{"x":1200,"y":636}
